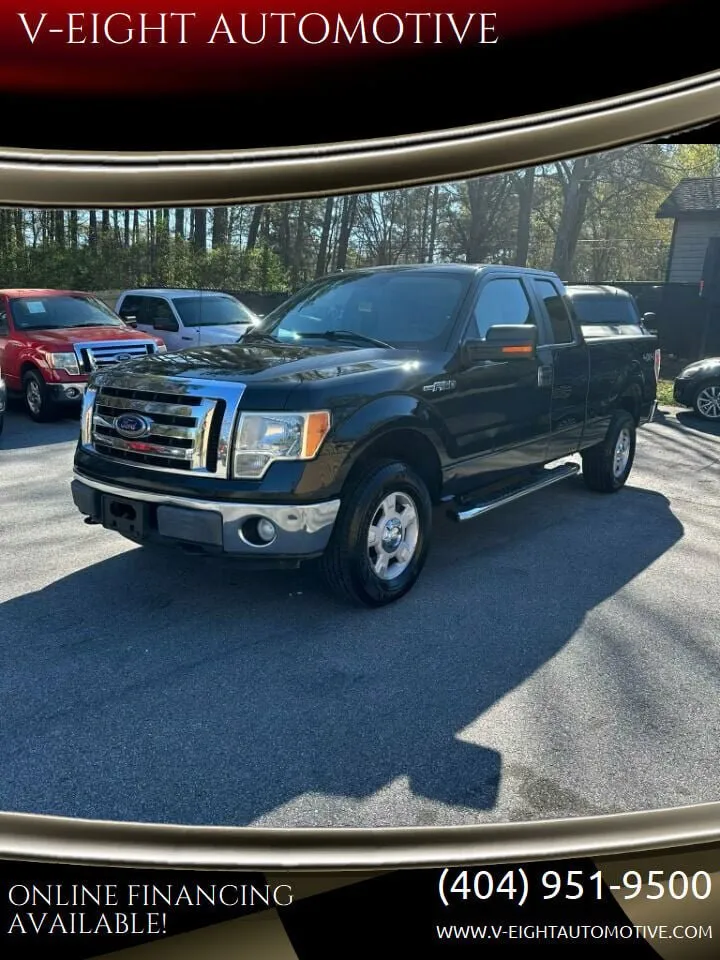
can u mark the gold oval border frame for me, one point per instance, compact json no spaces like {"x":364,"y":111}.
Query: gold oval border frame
{"x":73,"y":179}
{"x":38,"y":838}
{"x":65,"y":179}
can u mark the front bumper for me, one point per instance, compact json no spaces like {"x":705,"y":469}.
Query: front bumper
{"x":681,"y":392}
{"x":207,"y":526}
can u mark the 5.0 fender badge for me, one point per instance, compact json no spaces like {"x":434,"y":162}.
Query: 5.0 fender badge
{"x":440,"y":386}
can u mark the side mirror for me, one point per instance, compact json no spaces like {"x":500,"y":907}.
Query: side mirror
{"x":130,"y":321}
{"x":502,"y":343}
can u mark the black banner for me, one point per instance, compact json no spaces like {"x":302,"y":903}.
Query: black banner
{"x":571,"y":906}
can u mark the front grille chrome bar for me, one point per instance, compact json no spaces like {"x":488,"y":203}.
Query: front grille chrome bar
{"x":185,"y":426}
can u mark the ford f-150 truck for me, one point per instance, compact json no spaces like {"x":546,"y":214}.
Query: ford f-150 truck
{"x":332,"y":429}
{"x":52,"y":340}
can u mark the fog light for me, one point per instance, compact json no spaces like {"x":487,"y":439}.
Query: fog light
{"x":266,"y":531}
{"x":258,"y":532}
{"x":73,"y":392}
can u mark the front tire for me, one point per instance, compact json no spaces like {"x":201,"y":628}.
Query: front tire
{"x":37,"y":403}
{"x":706,"y":402}
{"x":381,"y":536}
{"x":607,"y":465}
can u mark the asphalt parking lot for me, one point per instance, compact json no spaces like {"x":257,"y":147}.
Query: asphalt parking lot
{"x":559,"y":657}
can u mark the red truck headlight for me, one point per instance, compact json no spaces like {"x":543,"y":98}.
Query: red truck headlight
{"x":64,"y":361}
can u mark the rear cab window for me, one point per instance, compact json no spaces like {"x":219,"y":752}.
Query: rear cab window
{"x":606,"y":314}
{"x":604,"y":310}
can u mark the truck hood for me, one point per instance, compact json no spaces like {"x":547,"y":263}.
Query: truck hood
{"x":268,"y":363}
{"x":68,"y":336}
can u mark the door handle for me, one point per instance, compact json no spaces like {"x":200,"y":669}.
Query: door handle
{"x":187,"y":338}
{"x":545,"y":376}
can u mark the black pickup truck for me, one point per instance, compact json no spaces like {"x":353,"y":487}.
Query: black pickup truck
{"x":332,"y":429}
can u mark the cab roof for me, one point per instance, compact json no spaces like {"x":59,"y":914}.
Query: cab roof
{"x":172,"y":292}
{"x":469,"y":268}
{"x":596,"y":290}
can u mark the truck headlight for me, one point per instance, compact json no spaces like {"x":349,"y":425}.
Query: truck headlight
{"x":263,"y":438}
{"x":160,"y":348}
{"x":64,"y":361}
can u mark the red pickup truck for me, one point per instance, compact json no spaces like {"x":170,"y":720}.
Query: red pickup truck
{"x":51,"y":341}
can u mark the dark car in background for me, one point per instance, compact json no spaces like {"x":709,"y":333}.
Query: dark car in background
{"x":698,"y":386}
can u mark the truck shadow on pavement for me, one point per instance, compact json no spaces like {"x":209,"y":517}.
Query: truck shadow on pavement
{"x":22,"y":433}
{"x":158,"y":687}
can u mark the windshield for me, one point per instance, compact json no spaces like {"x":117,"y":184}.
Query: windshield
{"x":212,"y":311}
{"x":605,"y":310}
{"x":402,"y":309}
{"x":62,"y":312}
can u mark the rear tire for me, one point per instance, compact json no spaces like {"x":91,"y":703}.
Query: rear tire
{"x":706,"y":402}
{"x":607,"y":465}
{"x":37,"y":403}
{"x":381,"y":537}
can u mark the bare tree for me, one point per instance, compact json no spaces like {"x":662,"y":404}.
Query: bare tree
{"x":577,"y":178}
{"x":199,"y":222}
{"x":347,"y":223}
{"x":255,"y":223}
{"x":219,"y":227}
{"x":525,"y":190}
{"x":323,"y":247}
{"x":298,"y":247}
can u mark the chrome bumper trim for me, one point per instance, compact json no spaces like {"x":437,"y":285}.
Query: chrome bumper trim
{"x":302,"y":528}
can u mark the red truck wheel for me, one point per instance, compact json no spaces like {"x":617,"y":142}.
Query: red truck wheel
{"x":37,"y":403}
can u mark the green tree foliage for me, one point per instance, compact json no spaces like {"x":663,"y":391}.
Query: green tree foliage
{"x":589,"y":218}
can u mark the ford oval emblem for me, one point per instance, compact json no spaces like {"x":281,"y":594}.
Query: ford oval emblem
{"x":132,"y":425}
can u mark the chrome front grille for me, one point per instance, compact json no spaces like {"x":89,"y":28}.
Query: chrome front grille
{"x":98,"y":356}
{"x":187,"y":430}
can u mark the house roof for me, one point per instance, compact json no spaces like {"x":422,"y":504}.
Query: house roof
{"x":699,"y":195}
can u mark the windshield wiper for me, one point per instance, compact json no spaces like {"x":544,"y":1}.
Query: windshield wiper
{"x":347,"y":335}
